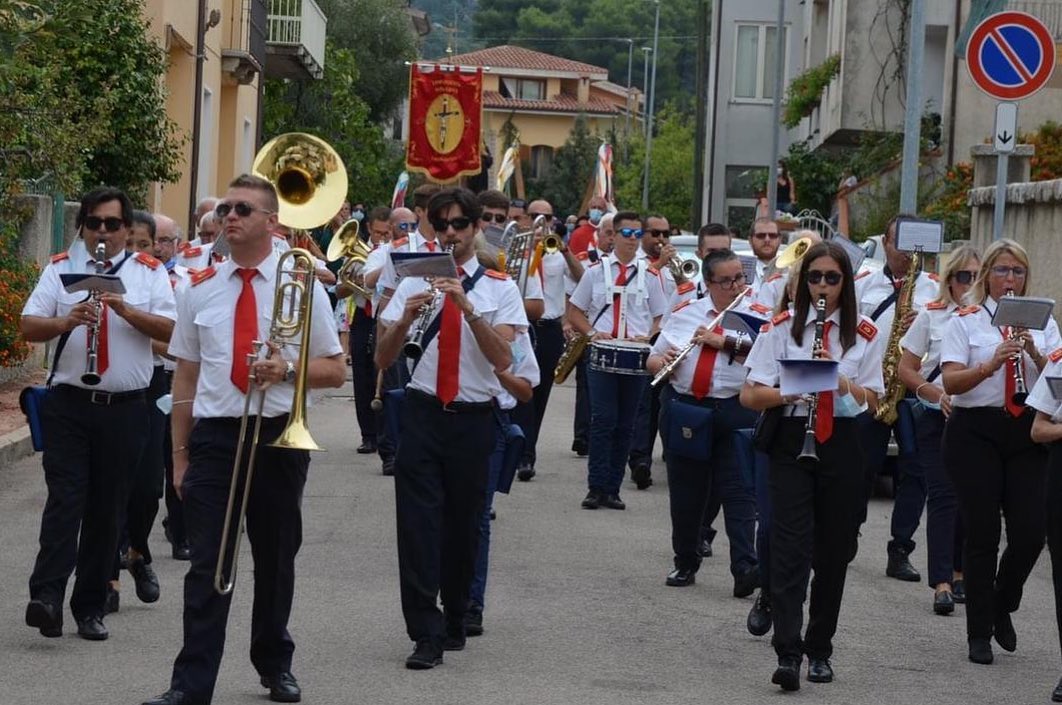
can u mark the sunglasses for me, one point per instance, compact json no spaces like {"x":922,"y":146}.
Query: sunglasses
{"x":766,"y":236}
{"x":833,"y":277}
{"x":441,"y":225}
{"x":498,"y":218}
{"x":406,"y":227}
{"x":630,"y":232}
{"x":660,"y":233}
{"x":1001,"y":271}
{"x":547,"y":216}
{"x":964,"y":276}
{"x":728,"y":282}
{"x":242,"y":208}
{"x":112,"y":225}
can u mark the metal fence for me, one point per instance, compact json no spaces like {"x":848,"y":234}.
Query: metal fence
{"x":298,"y":22}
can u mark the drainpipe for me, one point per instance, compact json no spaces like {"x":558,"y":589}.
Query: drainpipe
{"x":197,"y":116}
{"x":954,"y":85}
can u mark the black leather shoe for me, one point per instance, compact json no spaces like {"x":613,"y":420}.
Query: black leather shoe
{"x":147,"y":583}
{"x":958,"y":592}
{"x":681,"y":577}
{"x":787,"y":674}
{"x":580,"y":448}
{"x":366,"y":448}
{"x":426,"y":655}
{"x":980,"y":651}
{"x":612,"y":501}
{"x":524,"y":473}
{"x":1056,"y":694}
{"x":45,"y":616}
{"x":454,"y":642}
{"x":172,"y":697}
{"x":706,"y":548}
{"x":746,"y":583}
{"x":474,"y":621}
{"x":899,"y":566}
{"x":943,"y":603}
{"x":388,"y":467}
{"x":1003,"y":631}
{"x":592,"y":501}
{"x":181,"y":552}
{"x":760,"y":617}
{"x":113,"y":602}
{"x":819,"y":670}
{"x":92,"y":628}
{"x":283,"y":688}
{"x":642,"y":476}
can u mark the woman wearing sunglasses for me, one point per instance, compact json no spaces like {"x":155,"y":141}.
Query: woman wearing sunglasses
{"x":919,"y":369}
{"x":816,"y":504}
{"x":987,"y":449}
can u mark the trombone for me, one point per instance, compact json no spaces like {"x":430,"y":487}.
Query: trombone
{"x":292,"y":315}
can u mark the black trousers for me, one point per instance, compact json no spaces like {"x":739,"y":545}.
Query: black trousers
{"x":174,"y":509}
{"x":645,"y":428}
{"x":996,"y":467}
{"x":944,"y":532}
{"x":814,"y":527}
{"x":395,"y":377}
{"x":149,"y":474}
{"x":362,"y":332}
{"x":581,"y":423}
{"x":89,"y":454}
{"x":274,"y":528}
{"x":440,"y":484}
{"x":1054,"y":526}
{"x":910,"y":485}
{"x":549,"y":344}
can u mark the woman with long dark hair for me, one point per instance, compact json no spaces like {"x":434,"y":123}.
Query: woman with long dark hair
{"x":816,"y":503}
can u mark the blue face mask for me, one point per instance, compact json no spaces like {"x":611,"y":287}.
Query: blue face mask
{"x":358,"y":215}
{"x":595,"y":215}
{"x":569,"y":227}
{"x":845,"y":405}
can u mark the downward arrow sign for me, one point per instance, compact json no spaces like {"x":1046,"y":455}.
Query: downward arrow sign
{"x":1004,"y":137}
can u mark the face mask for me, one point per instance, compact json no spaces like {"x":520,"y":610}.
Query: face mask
{"x":518,"y":352}
{"x":165,"y":403}
{"x":846,"y":406}
{"x":569,"y":227}
{"x":358,"y":215}
{"x":595,"y":215}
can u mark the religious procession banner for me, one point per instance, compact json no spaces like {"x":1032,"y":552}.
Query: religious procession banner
{"x":445,"y":118}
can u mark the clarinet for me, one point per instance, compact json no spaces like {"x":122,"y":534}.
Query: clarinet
{"x":1021,"y":393}
{"x":92,"y":376}
{"x":807,"y":453}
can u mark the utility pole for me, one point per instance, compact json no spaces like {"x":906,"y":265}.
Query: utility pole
{"x":912,"y":121}
{"x":776,"y":132}
{"x":645,"y":88}
{"x":652,"y":101}
{"x":627,"y":129}
{"x":700,"y":135}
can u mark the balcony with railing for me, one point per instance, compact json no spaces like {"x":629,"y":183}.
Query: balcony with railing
{"x":295,"y":43}
{"x":243,"y":51}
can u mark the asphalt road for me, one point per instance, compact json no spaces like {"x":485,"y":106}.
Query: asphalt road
{"x":577,"y":609}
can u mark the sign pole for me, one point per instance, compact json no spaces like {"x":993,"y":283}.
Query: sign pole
{"x":1001,"y":195}
{"x":1004,"y":138}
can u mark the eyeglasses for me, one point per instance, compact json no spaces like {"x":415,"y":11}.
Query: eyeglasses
{"x":963,"y":276}
{"x":112,"y":225}
{"x":1001,"y":271}
{"x":166,"y":240}
{"x":441,"y":225}
{"x":833,"y":277}
{"x":630,"y":232}
{"x":498,"y":218}
{"x":766,"y":236}
{"x":242,"y":208}
{"x":547,"y":216}
{"x":660,"y":233}
{"x":406,"y":227}
{"x":728,"y":282}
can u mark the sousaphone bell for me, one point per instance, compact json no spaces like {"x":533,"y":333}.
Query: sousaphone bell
{"x":309,"y":176}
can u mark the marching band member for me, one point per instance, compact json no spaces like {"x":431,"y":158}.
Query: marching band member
{"x":712,"y":237}
{"x":220,"y":312}
{"x":205,"y":230}
{"x":630,"y":292}
{"x":708,"y":381}
{"x":878,"y":292}
{"x":442,"y":465}
{"x":987,"y":450}
{"x":89,"y":454}
{"x":815,"y":504}
{"x":765,"y":241}
{"x":919,"y":368}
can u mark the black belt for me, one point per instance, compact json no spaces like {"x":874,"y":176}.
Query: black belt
{"x":99,"y":397}
{"x":548,"y":323}
{"x":710,"y":402}
{"x":457,"y":407}
{"x":235,"y":421}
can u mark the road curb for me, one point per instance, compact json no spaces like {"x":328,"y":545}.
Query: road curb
{"x":15,"y":446}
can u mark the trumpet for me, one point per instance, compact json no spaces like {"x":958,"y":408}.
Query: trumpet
{"x":1021,"y":393}
{"x":682,"y":269}
{"x":92,"y":376}
{"x":551,"y":244}
{"x":807,"y":453}
{"x":670,"y":367}
{"x":292,"y":315}
{"x":413,"y":347}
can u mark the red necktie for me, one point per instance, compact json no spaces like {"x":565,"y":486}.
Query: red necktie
{"x":446,"y":381}
{"x":368,"y":309}
{"x":1010,"y":386}
{"x":824,"y":411}
{"x":621,"y":280}
{"x":702,"y":376}
{"x":245,"y":330}
{"x":431,"y":245}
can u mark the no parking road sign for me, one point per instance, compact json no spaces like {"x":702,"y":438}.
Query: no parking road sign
{"x":1010,"y":55}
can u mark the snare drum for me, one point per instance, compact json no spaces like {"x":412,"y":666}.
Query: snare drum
{"x":622,"y":357}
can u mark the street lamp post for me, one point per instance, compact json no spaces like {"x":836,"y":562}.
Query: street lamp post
{"x":649,"y":116}
{"x":630,"y":64}
{"x":645,"y":85}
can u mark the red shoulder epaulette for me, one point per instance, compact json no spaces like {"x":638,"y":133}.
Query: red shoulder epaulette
{"x":201,"y":275}
{"x":182,"y":246}
{"x":685,"y":287}
{"x":781,"y":318}
{"x":934,"y":276}
{"x":192,"y":252}
{"x":765,"y":327}
{"x":60,"y":257}
{"x":147,"y":260}
{"x":760,"y":308}
{"x":582,"y":255}
{"x":966,"y":310}
{"x":496,"y":275}
{"x":399,"y":243}
{"x":862,"y":274}
{"x":867,"y":329}
{"x":653,"y":271}
{"x":681,"y":306}
{"x":776,"y":275}
{"x":936,"y":305}
{"x":1056,"y":355}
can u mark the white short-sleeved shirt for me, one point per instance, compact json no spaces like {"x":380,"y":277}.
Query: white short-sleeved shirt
{"x":195,"y":257}
{"x":771,"y":290}
{"x":923,"y":338}
{"x":554,"y":276}
{"x":1040,"y":396}
{"x":497,"y":299}
{"x":860,"y":363}
{"x":206,"y":319}
{"x":524,"y":366}
{"x":179,"y":277}
{"x":643,"y":297}
{"x":762,"y":273}
{"x":688,"y":291}
{"x":130,"y":360}
{"x":873,"y":288}
{"x":727,"y":374}
{"x":970,"y":339}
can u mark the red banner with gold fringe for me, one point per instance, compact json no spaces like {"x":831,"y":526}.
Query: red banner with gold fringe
{"x":445,"y":118}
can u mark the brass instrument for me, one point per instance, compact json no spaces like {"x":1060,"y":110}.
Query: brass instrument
{"x":92,"y":376}
{"x":348,"y":243}
{"x":573,"y":352}
{"x":1020,"y":391}
{"x":551,"y":244}
{"x":670,"y":367}
{"x":807,"y":452}
{"x":682,"y":269}
{"x":292,"y":315}
{"x":895,"y":389}
{"x":413,"y":347}
{"x":377,"y":400}
{"x":793,"y":254}
{"x":515,"y":260}
{"x":309,"y":176}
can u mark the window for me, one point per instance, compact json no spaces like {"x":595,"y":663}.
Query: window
{"x":541,"y":160}
{"x":743,"y":186}
{"x":523,"y":88}
{"x":754,"y":57}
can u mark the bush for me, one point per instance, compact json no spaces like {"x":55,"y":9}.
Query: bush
{"x":950,"y":204}
{"x":804,"y":92}
{"x":1047,"y":161}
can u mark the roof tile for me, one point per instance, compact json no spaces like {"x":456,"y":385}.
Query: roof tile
{"x":513,"y":57}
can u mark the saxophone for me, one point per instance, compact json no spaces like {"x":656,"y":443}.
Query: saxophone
{"x":895,"y":390}
{"x":573,"y":351}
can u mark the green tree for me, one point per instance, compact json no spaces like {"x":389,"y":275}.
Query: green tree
{"x":571,"y":171}
{"x":671,"y":169}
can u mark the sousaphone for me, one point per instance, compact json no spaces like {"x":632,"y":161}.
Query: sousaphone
{"x":309,"y":176}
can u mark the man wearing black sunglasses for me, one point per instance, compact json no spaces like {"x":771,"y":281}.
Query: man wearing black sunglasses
{"x":90,"y":455}
{"x":877,"y":292}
